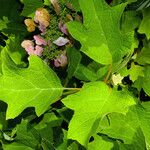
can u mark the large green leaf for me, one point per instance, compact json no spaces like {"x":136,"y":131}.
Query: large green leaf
{"x":94,"y":101}
{"x":99,"y":34}
{"x":36,"y":86}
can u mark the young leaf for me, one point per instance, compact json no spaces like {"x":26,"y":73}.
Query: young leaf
{"x":99,"y":34}
{"x":134,"y":72}
{"x":36,"y":86}
{"x":94,"y":101}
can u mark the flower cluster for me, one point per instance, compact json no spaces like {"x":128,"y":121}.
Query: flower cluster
{"x":33,"y":49}
{"x":36,"y":46}
{"x":41,"y":20}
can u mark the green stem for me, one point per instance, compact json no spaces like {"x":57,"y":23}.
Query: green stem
{"x":72,"y":89}
{"x":108,"y":74}
{"x":69,"y":92}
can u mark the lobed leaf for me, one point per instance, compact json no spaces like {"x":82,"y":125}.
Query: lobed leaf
{"x":94,"y":101}
{"x":36,"y":86}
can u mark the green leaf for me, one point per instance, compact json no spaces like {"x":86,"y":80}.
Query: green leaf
{"x":9,"y":9}
{"x":10,"y":20}
{"x":132,"y":128}
{"x":144,"y":55}
{"x":27,"y":135}
{"x":10,"y":27}
{"x":36,"y":86}
{"x":14,"y":49}
{"x":135,"y":71}
{"x":94,"y":101}
{"x":127,"y":18}
{"x":85,"y":74}
{"x":99,"y":34}
{"x":125,"y":128}
{"x":100,"y":142}
{"x":75,"y":4}
{"x":3,"y":23}
{"x":45,"y":127}
{"x":74,"y":57}
{"x":144,"y":118}
{"x":30,"y":7}
{"x":145,"y":81}
{"x":131,"y":1}
{"x":116,"y":2}
{"x":145,"y":24}
{"x":73,"y":146}
{"x":102,"y":71}
{"x":16,"y":146}
{"x":3,"y":123}
{"x":47,"y":2}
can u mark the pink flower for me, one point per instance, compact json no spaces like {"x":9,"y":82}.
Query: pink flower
{"x":63,"y":28}
{"x":30,"y":49}
{"x":39,"y":40}
{"x":61,"y":60}
{"x":42,"y":28}
{"x":28,"y":45}
{"x":61,"y":41}
{"x":38,"y":50}
{"x":42,"y":16}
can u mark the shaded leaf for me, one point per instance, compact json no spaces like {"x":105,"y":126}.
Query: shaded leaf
{"x":74,"y":59}
{"x":30,"y":7}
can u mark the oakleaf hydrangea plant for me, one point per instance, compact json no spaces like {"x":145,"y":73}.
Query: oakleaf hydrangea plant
{"x":74,"y":74}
